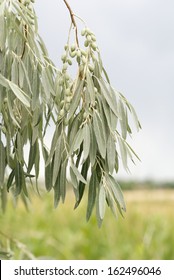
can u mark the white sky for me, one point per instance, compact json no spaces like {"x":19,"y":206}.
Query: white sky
{"x":136,"y":40}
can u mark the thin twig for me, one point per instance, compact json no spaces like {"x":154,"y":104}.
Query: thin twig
{"x":73,"y":20}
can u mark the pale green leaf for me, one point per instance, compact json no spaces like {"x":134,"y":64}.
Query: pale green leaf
{"x":78,"y":174}
{"x":111,"y":153}
{"x":86,"y":141}
{"x":99,"y":134}
{"x":93,"y":185}
{"x":102,"y":201}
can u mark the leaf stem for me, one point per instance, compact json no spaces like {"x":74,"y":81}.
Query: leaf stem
{"x":73,"y":21}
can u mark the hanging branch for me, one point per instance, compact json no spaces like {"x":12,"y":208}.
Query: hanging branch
{"x":73,"y":21}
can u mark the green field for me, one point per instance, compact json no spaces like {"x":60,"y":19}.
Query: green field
{"x":146,"y":232}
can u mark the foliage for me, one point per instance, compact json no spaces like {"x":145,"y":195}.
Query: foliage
{"x":89,"y":117}
{"x":146,"y":232}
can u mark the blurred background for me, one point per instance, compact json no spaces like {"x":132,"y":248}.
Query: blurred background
{"x":137,"y":46}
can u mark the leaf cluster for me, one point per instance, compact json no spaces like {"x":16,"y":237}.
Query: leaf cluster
{"x":89,"y":117}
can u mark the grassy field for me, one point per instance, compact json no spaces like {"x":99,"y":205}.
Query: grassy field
{"x":146,"y":232}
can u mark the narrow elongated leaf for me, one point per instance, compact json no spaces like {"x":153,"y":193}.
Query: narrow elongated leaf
{"x":116,"y":190}
{"x":102,"y":201}
{"x":20,"y":94}
{"x":93,"y":185}
{"x":99,"y":134}
{"x":93,"y":146}
{"x":109,"y":98}
{"x":82,"y":185}
{"x":57,"y":159}
{"x":78,"y":174}
{"x":111,"y":153}
{"x":63,"y":181}
{"x":2,"y":162}
{"x":123,"y":121}
{"x":90,"y":87}
{"x":77,"y":141}
{"x":76,"y":98}
{"x":86,"y":141}
{"x":18,"y":178}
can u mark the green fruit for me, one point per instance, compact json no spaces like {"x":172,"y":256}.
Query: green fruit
{"x":62,"y":112}
{"x":62,"y":103}
{"x":93,"y":38}
{"x":60,"y":82}
{"x":89,"y":38}
{"x":69,"y":61}
{"x":88,"y":31}
{"x":94,"y":46}
{"x":65,"y":66}
{"x":73,"y":47}
{"x":68,"y":99}
{"x":65,"y":121}
{"x":67,"y":106}
{"x":86,"y":43}
{"x":78,"y":53}
{"x":83,"y":32}
{"x":66,"y":47}
{"x":85,"y":115}
{"x":63,"y":57}
{"x":83,"y":52}
{"x":67,"y":92}
{"x":73,"y":54}
{"x":91,"y":67}
{"x":84,"y":60}
{"x":95,"y":89}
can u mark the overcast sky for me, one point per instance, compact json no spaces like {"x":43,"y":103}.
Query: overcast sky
{"x":136,"y":40}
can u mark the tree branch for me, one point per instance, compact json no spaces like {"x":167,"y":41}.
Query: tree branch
{"x":73,"y":20}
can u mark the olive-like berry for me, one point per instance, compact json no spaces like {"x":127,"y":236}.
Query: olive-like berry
{"x":86,"y":43}
{"x":73,"y":47}
{"x":62,"y":112}
{"x":83,"y":32}
{"x":73,"y":54}
{"x":94,"y":46}
{"x":65,"y":66}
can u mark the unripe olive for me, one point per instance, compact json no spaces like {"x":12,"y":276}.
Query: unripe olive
{"x":84,"y":60}
{"x":32,"y":1}
{"x":69,"y":61}
{"x":93,"y":37}
{"x":95,"y":89}
{"x":66,"y":47}
{"x":62,"y":112}
{"x":94,"y":46}
{"x":73,"y":47}
{"x":91,"y":67}
{"x":62,"y":103}
{"x":89,"y":38}
{"x":78,"y":60}
{"x":85,"y":115}
{"x":68,"y":99}
{"x":83,"y":32}
{"x":81,"y":68}
{"x":86,"y":43}
{"x":67,"y":106}
{"x":63,"y":57}
{"x":67,"y":92}
{"x":88,"y":31}
{"x":83,"y":52}
{"x":65,"y":121}
{"x":5,"y":100}
{"x":73,"y":54}
{"x":78,"y":53}
{"x":60,"y":82}
{"x":65,"y":66}
{"x":67,"y":77}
